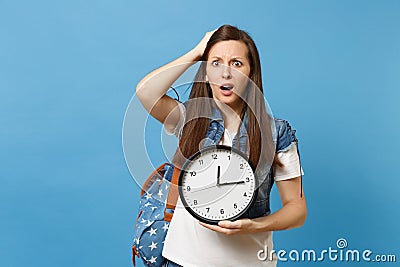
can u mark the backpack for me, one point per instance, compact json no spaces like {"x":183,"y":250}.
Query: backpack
{"x":158,"y":198}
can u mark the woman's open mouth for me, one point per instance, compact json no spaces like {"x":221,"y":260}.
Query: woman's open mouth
{"x":226,"y":89}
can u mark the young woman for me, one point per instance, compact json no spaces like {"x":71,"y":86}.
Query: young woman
{"x":228,"y":90}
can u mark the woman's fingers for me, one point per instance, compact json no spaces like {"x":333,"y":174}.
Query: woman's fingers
{"x":231,"y":225}
{"x":201,"y":46}
{"x":241,"y":226}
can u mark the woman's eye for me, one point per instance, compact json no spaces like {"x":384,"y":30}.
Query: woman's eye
{"x":237,"y":63}
{"x":215,"y":63}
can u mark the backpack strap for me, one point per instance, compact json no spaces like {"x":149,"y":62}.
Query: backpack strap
{"x":173,"y":194}
{"x":157,"y":171}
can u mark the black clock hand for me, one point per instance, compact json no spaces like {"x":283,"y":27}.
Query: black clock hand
{"x":238,"y":182}
{"x":218,"y":174}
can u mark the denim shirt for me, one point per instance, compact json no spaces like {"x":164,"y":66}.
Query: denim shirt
{"x":283,"y":138}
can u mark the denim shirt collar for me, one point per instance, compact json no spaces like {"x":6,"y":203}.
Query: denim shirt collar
{"x":217,"y":128}
{"x":240,"y":141}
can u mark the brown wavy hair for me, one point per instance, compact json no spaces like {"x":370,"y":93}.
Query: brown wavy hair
{"x":195,"y":127}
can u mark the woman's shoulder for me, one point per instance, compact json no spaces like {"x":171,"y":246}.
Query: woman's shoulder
{"x":285,"y":135}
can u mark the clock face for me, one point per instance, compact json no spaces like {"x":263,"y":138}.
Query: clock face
{"x":217,"y":183}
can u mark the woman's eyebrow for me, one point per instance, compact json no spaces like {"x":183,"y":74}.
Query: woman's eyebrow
{"x":234,"y":57}
{"x":241,"y":58}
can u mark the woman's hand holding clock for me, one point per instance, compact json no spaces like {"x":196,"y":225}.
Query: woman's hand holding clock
{"x":292,"y":214}
{"x":241,"y":226}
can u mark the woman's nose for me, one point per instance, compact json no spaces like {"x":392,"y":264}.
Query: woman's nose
{"x":226,"y":72}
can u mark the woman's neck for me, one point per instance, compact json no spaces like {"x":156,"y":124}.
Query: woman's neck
{"x":232,"y":118}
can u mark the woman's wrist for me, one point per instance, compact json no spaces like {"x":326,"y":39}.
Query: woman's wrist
{"x":193,"y":55}
{"x":262,"y":224}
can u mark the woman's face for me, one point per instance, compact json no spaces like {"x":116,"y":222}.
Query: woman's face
{"x":228,"y":69}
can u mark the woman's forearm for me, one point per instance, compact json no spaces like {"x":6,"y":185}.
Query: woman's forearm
{"x":152,"y":89}
{"x":291,"y":215}
{"x":161,"y":79}
{"x":156,"y":84}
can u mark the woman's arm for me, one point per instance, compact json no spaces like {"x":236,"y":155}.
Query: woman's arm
{"x":152,"y":89}
{"x":292,"y":214}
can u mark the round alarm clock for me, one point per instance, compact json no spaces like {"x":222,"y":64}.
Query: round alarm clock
{"x":217,"y":183}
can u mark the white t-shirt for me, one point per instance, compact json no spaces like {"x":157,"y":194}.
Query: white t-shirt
{"x":191,"y":245}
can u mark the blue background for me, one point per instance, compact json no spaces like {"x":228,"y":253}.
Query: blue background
{"x":68,"y":70}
